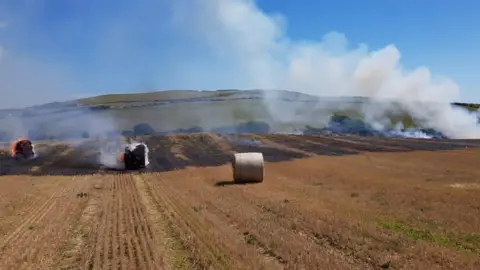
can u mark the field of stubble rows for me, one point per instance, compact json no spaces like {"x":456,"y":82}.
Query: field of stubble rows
{"x":326,"y":203}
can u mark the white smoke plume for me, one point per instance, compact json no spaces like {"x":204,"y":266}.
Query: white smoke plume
{"x":253,"y":51}
{"x":109,"y":154}
{"x":227,"y":44}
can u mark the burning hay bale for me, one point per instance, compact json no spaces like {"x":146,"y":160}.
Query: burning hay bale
{"x":124,"y":155}
{"x":248,"y":167}
{"x":23,"y":148}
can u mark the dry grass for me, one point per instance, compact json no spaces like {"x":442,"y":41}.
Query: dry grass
{"x":357,"y":210}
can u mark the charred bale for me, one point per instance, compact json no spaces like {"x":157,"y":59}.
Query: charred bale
{"x":135,"y":158}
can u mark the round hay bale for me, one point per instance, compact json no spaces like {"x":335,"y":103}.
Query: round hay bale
{"x":248,"y":167}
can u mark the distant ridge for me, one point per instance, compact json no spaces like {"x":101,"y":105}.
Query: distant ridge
{"x":129,"y":99}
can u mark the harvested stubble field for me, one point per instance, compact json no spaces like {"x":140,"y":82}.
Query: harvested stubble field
{"x":326,"y":203}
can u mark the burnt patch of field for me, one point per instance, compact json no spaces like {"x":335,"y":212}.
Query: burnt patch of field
{"x":349,"y":145}
{"x":48,"y":155}
{"x":161,"y":159}
{"x":410,"y":144}
{"x":352,"y":143}
{"x":301,"y":143}
{"x":176,"y":152}
{"x":251,"y":143}
{"x":59,"y":159}
{"x":201,"y":150}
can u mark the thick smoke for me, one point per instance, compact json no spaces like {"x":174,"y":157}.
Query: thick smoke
{"x":109,"y":155}
{"x":228,"y":44}
{"x":77,"y":127}
{"x":253,"y":50}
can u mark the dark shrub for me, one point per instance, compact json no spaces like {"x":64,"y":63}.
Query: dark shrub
{"x":143,"y":129}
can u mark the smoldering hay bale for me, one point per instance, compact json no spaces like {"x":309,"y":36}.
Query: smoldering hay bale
{"x":248,"y":167}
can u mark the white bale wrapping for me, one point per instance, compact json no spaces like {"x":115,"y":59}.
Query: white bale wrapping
{"x":248,"y":167}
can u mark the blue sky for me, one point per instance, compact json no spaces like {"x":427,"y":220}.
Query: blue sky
{"x":442,"y":35}
{"x":86,"y":47}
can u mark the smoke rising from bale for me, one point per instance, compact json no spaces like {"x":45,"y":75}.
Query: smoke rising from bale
{"x":255,"y":49}
{"x":81,"y":128}
{"x":109,"y":154}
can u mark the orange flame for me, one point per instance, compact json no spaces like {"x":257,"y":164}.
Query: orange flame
{"x":14,"y":144}
{"x":121,"y":156}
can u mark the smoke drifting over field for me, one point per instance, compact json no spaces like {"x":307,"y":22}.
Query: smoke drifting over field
{"x":257,"y":52}
{"x":28,"y":81}
{"x":239,"y":46}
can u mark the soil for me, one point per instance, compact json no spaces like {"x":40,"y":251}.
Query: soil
{"x":341,"y":202}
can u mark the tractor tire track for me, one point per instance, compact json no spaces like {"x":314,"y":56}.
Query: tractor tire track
{"x":101,"y":230}
{"x":145,"y":232}
{"x":135,"y":241}
{"x":174,"y":254}
{"x":129,"y":257}
{"x":125,"y":249}
{"x":77,"y":253}
{"x":124,"y":239}
{"x":116,"y":253}
{"x":276,"y":244}
{"x":205,"y":253}
{"x":107,"y":241}
{"x":209,"y":239}
{"x":136,"y":257}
